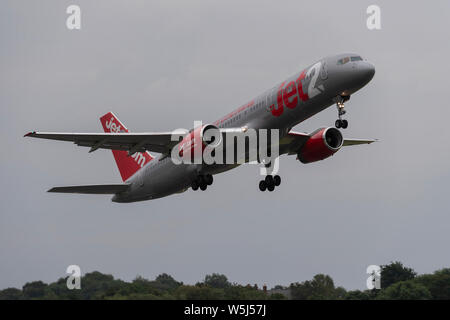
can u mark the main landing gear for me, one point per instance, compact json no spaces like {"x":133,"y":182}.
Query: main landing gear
{"x":341,"y":123}
{"x":202,"y":182}
{"x":269,"y":183}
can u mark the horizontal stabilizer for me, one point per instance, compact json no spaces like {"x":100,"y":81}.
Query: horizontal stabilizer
{"x":92,"y":189}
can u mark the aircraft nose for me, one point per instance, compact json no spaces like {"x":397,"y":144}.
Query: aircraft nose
{"x":366,"y":71}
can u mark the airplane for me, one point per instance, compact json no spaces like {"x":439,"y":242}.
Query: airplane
{"x":329,"y":81}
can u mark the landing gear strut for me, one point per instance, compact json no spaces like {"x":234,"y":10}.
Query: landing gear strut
{"x":269,"y":183}
{"x":341,"y":123}
{"x":202,"y":182}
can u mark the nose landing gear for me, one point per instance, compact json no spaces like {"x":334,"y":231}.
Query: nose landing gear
{"x":269,"y":183}
{"x":341,"y":123}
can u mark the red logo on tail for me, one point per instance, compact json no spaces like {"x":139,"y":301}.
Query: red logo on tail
{"x":128,"y":165}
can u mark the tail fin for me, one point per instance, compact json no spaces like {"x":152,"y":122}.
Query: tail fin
{"x":128,"y":165}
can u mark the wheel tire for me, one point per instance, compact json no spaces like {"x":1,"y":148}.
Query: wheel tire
{"x":208,"y":179}
{"x":338,"y":123}
{"x":269,"y":180}
{"x":194,"y":185}
{"x":271,"y":187}
{"x":344,"y":124}
{"x":262,"y":185}
{"x":277,"y":180}
{"x":203,"y":186}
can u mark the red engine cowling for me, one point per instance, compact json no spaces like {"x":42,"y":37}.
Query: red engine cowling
{"x":322,"y":144}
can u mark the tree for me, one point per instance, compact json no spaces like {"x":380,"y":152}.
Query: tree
{"x":277,"y":296}
{"x":216,"y":280}
{"x":405,"y":290}
{"x":96,"y":285}
{"x":166,"y":282}
{"x":321,"y":287}
{"x":238,"y":292}
{"x":437,"y":283}
{"x":395,"y":272}
{"x":357,"y":295}
{"x":10,"y":294}
{"x":35,"y":289}
{"x":198,"y":293}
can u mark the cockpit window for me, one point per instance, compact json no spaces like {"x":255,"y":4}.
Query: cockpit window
{"x":347,"y":59}
{"x":343,"y":60}
{"x":356,"y":58}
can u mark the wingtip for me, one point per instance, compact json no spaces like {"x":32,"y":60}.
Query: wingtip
{"x":29,"y":133}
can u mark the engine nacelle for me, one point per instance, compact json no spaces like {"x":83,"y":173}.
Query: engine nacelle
{"x":321,"y":145}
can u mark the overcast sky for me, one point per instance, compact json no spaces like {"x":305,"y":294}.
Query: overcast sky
{"x":160,"y":65}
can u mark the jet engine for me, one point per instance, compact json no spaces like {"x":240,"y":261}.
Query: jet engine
{"x":322,"y":144}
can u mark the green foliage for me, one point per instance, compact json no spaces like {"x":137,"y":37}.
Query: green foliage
{"x":398,"y":282}
{"x":11,"y":294}
{"x":438,"y":283}
{"x":405,"y":290}
{"x":277,"y":296}
{"x":321,"y":287}
{"x":238,"y":292}
{"x":166,"y":282}
{"x":33,"y":290}
{"x":395,"y":272}
{"x":357,"y":295}
{"x":216,"y":280}
{"x":198,"y":293}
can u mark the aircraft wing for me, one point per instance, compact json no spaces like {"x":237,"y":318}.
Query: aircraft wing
{"x":132,"y":142}
{"x":92,"y":189}
{"x":293,"y":141}
{"x":160,"y":142}
{"x":354,"y":142}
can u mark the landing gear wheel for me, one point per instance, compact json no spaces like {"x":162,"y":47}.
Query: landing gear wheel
{"x":344,"y":124}
{"x":203,"y":186}
{"x":262,"y":185}
{"x":208,"y":179}
{"x":277,"y":180}
{"x":194,"y":186}
{"x":338,"y":123}
{"x":269,"y":180}
{"x":270,"y":183}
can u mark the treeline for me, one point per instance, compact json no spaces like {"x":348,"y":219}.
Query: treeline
{"x":397,"y":282}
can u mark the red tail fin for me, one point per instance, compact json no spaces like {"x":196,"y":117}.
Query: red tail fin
{"x":128,"y":165}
